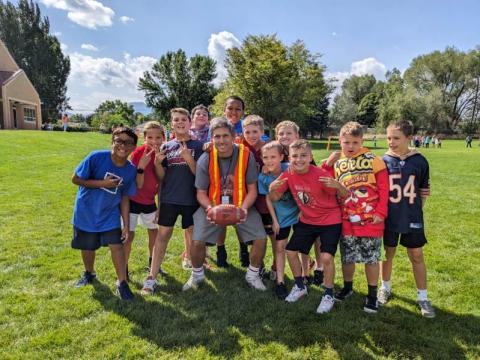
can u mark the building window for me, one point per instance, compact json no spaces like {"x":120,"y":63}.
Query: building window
{"x":29,"y":114}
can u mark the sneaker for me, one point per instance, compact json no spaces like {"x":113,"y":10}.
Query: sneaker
{"x":343,"y":294}
{"x":186,"y":264}
{"x":123,"y":290}
{"x":255,"y":281}
{"x":281,"y":291}
{"x":370,"y":305}
{"x":383,"y":296}
{"x":149,"y":286}
{"x":318,"y":277}
{"x":326,"y":304}
{"x":192,"y":282}
{"x":427,"y":309}
{"x":87,"y":278}
{"x":296,"y":294}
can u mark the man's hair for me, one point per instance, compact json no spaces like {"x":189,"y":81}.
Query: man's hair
{"x":153,"y":125}
{"x":199,"y":107}
{"x":405,"y":126}
{"x":180,"y":111}
{"x":301,"y":144}
{"x":273,"y":145}
{"x":352,"y":128}
{"x":254,"y":120}
{"x":125,"y":130}
{"x":221,"y":122}
{"x":287,"y":123}
{"x":236,"y":98}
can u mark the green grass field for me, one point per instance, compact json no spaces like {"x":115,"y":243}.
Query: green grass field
{"x":43,"y":316}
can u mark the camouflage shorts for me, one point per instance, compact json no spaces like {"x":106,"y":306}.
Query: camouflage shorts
{"x":366,"y":250}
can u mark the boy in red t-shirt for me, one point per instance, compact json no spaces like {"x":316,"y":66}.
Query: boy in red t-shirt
{"x":320,"y":217}
{"x":142,"y":205}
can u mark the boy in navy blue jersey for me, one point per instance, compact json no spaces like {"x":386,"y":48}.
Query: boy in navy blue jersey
{"x":105,"y":180}
{"x":409,"y":187}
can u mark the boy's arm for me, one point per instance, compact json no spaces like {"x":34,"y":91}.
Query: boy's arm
{"x":109,"y":182}
{"x":141,"y":164}
{"x":187,"y":156}
{"x":424,"y":183}
{"x":278,"y":187}
{"x":381,"y":210}
{"x":160,"y":156}
{"x":271,"y":210}
{"x":125,"y":213}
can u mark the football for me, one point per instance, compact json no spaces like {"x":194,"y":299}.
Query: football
{"x":226,"y":214}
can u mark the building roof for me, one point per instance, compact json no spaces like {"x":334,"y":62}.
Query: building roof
{"x":5,"y":75}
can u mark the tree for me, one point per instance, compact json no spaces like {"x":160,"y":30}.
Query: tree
{"x":26,"y":35}
{"x":113,"y":113}
{"x":367,"y":109}
{"x":176,"y":81}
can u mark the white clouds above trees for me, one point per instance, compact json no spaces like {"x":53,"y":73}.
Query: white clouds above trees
{"x":217,"y":48}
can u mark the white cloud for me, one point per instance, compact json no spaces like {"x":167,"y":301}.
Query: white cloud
{"x":63,"y":46}
{"x":89,"y":47}
{"x":126,"y":19}
{"x":87,"y":13}
{"x":95,"y":79}
{"x":217,"y":48}
{"x":362,"y":67}
{"x":57,"y":33}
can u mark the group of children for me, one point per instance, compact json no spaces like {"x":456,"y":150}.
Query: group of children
{"x":354,"y":200}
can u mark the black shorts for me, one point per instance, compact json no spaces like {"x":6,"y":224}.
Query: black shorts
{"x":283,"y":233}
{"x":169,"y":213}
{"x":137,"y":208}
{"x":305,"y":235}
{"x":267,"y":223}
{"x":84,"y":240}
{"x":409,"y":240}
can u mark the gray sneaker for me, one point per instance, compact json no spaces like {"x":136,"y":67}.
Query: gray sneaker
{"x":255,"y":281}
{"x":383,"y":296}
{"x":296,"y":294}
{"x":427,"y":309}
{"x":192,"y":282}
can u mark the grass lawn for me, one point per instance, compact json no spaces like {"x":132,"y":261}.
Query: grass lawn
{"x":43,"y":316}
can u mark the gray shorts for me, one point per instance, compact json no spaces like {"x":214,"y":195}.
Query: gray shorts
{"x":365,"y":250}
{"x":251,"y":229}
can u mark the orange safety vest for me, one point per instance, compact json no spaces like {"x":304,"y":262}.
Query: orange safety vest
{"x":239,"y":187}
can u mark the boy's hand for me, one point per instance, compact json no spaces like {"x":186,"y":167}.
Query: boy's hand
{"x":376,"y":219}
{"x":334,"y":156}
{"x":185,"y":152}
{"x":276,"y":227}
{"x":276,"y":184}
{"x":110,"y":182}
{"x":160,"y":155}
{"x":125,"y":235}
{"x":207,"y":147}
{"x":246,"y":215}
{"x":329,"y":182}
{"x":146,"y":157}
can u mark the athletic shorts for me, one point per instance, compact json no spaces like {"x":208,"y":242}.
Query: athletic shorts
{"x":170,"y":212}
{"x":284,"y":233}
{"x":364,"y":250}
{"x":305,"y":235}
{"x":267,"y":222}
{"x":143,"y":214}
{"x":205,"y":231}
{"x":84,"y":240}
{"x":410,"y":240}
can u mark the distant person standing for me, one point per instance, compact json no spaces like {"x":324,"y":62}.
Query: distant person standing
{"x":374,"y":139}
{"x":468,"y":141}
{"x":65,"y":121}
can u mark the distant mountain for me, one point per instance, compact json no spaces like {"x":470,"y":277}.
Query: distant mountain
{"x":141,"y":107}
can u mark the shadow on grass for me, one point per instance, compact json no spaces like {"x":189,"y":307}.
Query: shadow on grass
{"x":224,"y":314}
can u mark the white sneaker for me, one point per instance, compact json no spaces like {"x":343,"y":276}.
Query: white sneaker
{"x":326,"y":304}
{"x":383,"y":296}
{"x":192,"y":282}
{"x":255,"y":281}
{"x":149,"y":286}
{"x":296,"y":294}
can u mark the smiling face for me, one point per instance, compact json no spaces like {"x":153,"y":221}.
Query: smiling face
{"x":252,"y":135}
{"x":350,"y":144}
{"x":233,"y":111}
{"x":122,"y":146}
{"x":286,"y":135}
{"x":397,"y":141}
{"x":272,"y":160}
{"x":200,"y":119}
{"x":154,"y":138}
{"x":180,"y":124}
{"x":222,"y":139}
{"x":300,"y":159}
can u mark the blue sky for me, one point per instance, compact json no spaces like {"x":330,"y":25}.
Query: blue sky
{"x":111,"y":43}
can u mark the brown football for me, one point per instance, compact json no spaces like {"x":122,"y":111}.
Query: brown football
{"x":226,"y":214}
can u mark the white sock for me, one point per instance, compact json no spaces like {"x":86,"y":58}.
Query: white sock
{"x":319,"y":268}
{"x":253,"y":270}
{"x":198,"y":272}
{"x":422,"y":295}
{"x":387,"y":285}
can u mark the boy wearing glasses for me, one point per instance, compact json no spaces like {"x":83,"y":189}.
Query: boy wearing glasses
{"x":106,"y":179}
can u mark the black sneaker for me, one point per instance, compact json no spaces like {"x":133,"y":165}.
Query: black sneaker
{"x":222,"y":259}
{"x":318,"y":277}
{"x":370,"y":305}
{"x":123,"y":290}
{"x":343,"y":294}
{"x":281,"y":291}
{"x":87,"y":278}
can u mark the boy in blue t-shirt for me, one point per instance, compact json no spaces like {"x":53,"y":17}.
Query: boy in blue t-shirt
{"x":283,"y":213}
{"x":106,"y":179}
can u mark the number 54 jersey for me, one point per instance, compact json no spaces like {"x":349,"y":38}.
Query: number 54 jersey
{"x":409,"y":183}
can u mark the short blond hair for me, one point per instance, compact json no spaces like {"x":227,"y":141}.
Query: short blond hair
{"x":254,"y":120}
{"x":180,"y":110}
{"x":352,"y":128}
{"x":287,"y":123}
{"x":301,"y":144}
{"x":153,"y":125}
{"x":274,"y":145}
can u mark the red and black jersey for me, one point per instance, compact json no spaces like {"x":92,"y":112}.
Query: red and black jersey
{"x":409,"y":182}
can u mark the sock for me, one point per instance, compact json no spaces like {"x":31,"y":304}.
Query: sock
{"x":299,"y":282}
{"x":387,"y":285}
{"x":422,"y":295}
{"x":221,"y":250}
{"x":198,"y":272}
{"x":253,"y":270}
{"x":372,"y":291}
{"x":329,"y":291}
{"x":243,"y":248}
{"x":348,"y":285}
{"x":319,"y":269}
